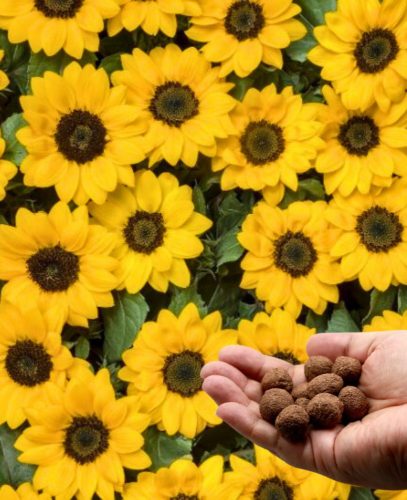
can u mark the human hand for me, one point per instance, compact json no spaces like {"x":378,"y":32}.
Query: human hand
{"x":371,"y":452}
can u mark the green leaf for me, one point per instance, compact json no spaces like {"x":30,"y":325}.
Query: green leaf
{"x":12,"y":471}
{"x":122,"y":323}
{"x":308,"y":189}
{"x":298,"y":51}
{"x":228,"y":249}
{"x":111,"y":63}
{"x":164,"y":449}
{"x":199,"y":201}
{"x":341,"y":320}
{"x":183,"y":296}
{"x":379,"y":302}
{"x":361,"y":494}
{"x":82,"y":348}
{"x":15,"y":151}
{"x":314,"y":10}
{"x":317,"y":321}
{"x":402,"y":299}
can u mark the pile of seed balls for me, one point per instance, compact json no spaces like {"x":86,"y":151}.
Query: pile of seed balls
{"x":329,"y":397}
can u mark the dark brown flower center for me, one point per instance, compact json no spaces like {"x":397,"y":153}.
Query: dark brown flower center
{"x":262,"y":142}
{"x":174,"y":103}
{"x":182,"y":372}
{"x":144,"y":232}
{"x":54,"y":269}
{"x":359,"y":135}
{"x":85,"y":439}
{"x":80,"y":136}
{"x":244,"y":19}
{"x":376,"y":49}
{"x":64,"y":9}
{"x":294,"y":253}
{"x":379,"y":229}
{"x":273,"y":489}
{"x":287,"y":356}
{"x":28,"y":363}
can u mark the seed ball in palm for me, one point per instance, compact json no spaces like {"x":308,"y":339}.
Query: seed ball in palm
{"x":317,"y":365}
{"x":277,"y":378}
{"x":355,"y":403}
{"x":302,"y":402}
{"x":325,"y":410}
{"x":292,"y":423}
{"x":272,"y":402}
{"x":348,"y":368}
{"x":328,"y":382}
{"x":300,"y":391}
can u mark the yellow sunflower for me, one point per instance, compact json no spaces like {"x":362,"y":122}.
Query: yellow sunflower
{"x":391,"y":495}
{"x":152,"y":15}
{"x":363,"y":149}
{"x":372,"y":243}
{"x":363,"y":51}
{"x":32,"y":360}
{"x":240,"y":34}
{"x":164,"y":364}
{"x":84,"y":437}
{"x":24,"y":492}
{"x":288,"y":261}
{"x":156,"y":229}
{"x":184,"y":103}
{"x":389,"y":320}
{"x":277,"y":136}
{"x":4,"y":81}
{"x":81,"y":136}
{"x":273,"y":478}
{"x":58,"y":260}
{"x":7,"y":169}
{"x":276,"y":335}
{"x":181,"y":480}
{"x":54,"y":25}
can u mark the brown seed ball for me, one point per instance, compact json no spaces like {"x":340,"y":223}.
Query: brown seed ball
{"x":277,"y":378}
{"x":325,"y":410}
{"x":272,"y":402}
{"x":292,"y":423}
{"x":355,"y":403}
{"x":317,"y":365}
{"x":347,"y":368}
{"x":303,"y":402}
{"x":300,"y":391}
{"x":328,"y":382}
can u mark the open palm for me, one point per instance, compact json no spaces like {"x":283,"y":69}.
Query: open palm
{"x":371,"y":452}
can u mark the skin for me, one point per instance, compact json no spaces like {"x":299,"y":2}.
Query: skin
{"x":371,"y":452}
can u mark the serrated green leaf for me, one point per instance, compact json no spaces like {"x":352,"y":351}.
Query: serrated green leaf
{"x":198,"y":200}
{"x":122,"y":323}
{"x":15,"y":151}
{"x":341,"y":320}
{"x":379,"y":302}
{"x":82,"y":348}
{"x":314,"y":10}
{"x":361,"y":494}
{"x":164,"y":449}
{"x":402,"y":299}
{"x":12,"y":471}
{"x":111,"y":63}
{"x":228,"y":249}
{"x":183,"y":296}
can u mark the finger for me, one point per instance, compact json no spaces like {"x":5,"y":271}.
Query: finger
{"x":254,"y":365}
{"x":357,"y":345}
{"x":250,"y":387}
{"x":223,"y":390}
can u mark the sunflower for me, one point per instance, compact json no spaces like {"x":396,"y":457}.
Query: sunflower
{"x":391,"y":495}
{"x":240,"y":34}
{"x":184,"y":103}
{"x":372,"y":243}
{"x":53,"y":25}
{"x":273,"y":478}
{"x":32,"y":360}
{"x":389,"y":320}
{"x":84,"y":437}
{"x":156,"y":229}
{"x":164,"y":364}
{"x":363,"y":52}
{"x":58,"y":260}
{"x":7,"y":169}
{"x":152,"y":15}
{"x":182,"y":480}
{"x":363,"y":149}
{"x":24,"y":492}
{"x":277,"y":136}
{"x":288,"y":261}
{"x":4,"y":81}
{"x":81,"y":136}
{"x":276,"y":335}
